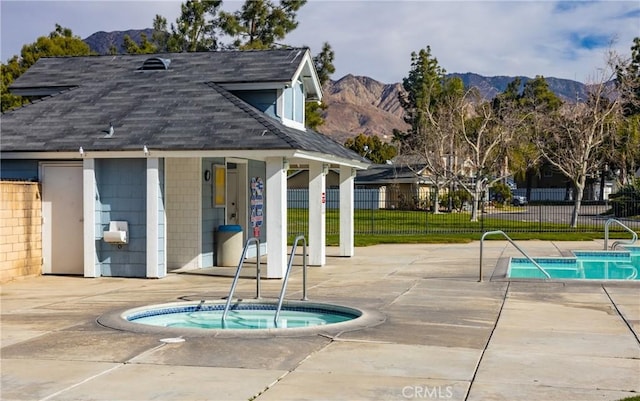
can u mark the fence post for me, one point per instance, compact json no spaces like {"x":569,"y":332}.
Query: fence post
{"x":540,"y":218}
{"x":426,"y":221}
{"x":372,"y":210}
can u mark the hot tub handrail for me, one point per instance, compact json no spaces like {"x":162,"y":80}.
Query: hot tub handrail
{"x":286,"y":275}
{"x":237,"y":276}
{"x":512,"y":243}
{"x":616,"y":243}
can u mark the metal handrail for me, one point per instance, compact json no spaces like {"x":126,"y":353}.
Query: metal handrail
{"x":235,"y":279}
{"x":286,"y":276}
{"x":512,"y":243}
{"x":616,"y":243}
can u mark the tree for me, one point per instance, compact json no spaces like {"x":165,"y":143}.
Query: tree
{"x":260,"y":23}
{"x":323,"y":62}
{"x":535,"y":99}
{"x":145,"y":47}
{"x":60,"y":42}
{"x":626,"y":143}
{"x":194,"y":30}
{"x":572,"y":138}
{"x":432,"y":103}
{"x":371,"y":147}
{"x":160,"y":35}
{"x":486,"y":137}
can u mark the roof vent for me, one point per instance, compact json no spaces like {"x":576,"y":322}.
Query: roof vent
{"x":155,"y":63}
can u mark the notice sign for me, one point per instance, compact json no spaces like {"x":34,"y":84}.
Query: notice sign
{"x":257,"y":202}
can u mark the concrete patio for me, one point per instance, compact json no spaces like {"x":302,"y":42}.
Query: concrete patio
{"x":446,"y":336}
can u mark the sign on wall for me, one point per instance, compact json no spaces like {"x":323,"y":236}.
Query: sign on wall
{"x":257,"y":202}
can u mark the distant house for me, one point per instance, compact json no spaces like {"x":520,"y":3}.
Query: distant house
{"x":299,"y":179}
{"x":549,"y":184}
{"x":400,"y":186}
{"x":173,"y":145}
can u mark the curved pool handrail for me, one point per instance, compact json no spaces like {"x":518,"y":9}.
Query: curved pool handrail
{"x":634,"y":272}
{"x":237,"y":276}
{"x":512,"y":243}
{"x":286,"y":275}
{"x":622,"y":242}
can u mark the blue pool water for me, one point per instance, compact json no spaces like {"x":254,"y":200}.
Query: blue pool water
{"x":251,"y":316}
{"x":585,"y":265}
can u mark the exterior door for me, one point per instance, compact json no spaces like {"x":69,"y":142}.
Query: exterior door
{"x":62,"y":212}
{"x":232,"y":197}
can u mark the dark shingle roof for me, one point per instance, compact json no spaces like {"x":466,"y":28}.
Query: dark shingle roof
{"x":220,"y":67}
{"x":389,"y":173}
{"x":164,"y":110}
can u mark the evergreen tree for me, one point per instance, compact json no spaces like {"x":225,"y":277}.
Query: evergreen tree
{"x":260,"y":23}
{"x":371,"y":147}
{"x":626,"y":143}
{"x":60,"y":42}
{"x":323,"y":62}
{"x":194,"y":30}
{"x":535,"y":101}
{"x":429,"y":140}
{"x":145,"y":47}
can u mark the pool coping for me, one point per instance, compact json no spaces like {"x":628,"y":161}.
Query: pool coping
{"x":368,"y":318}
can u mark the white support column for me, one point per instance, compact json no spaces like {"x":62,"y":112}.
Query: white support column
{"x":91,"y":266}
{"x":346,"y":211}
{"x":317,"y":214}
{"x":276,"y":217}
{"x":153,"y":211}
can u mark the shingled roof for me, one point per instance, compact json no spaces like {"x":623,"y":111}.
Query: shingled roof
{"x":182,"y":108}
{"x":220,"y":67}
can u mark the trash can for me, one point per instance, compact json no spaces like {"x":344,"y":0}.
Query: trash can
{"x":229,"y":245}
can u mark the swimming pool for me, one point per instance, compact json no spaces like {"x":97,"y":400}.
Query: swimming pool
{"x":583,"y":265}
{"x":242,"y":317}
{"x":246,"y":318}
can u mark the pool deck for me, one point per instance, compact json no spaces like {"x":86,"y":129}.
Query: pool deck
{"x":446,"y":335}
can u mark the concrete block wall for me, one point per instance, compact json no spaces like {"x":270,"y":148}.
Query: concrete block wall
{"x":20,"y":230}
{"x":183,"y":186}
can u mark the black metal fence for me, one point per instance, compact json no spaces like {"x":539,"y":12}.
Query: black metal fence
{"x":376,"y":212}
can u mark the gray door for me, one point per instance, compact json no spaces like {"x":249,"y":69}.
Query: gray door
{"x":62,"y":212}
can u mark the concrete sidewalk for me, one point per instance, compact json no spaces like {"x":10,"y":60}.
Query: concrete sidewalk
{"x":445,"y":337}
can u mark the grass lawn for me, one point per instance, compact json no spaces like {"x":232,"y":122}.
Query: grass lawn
{"x":400,"y":226}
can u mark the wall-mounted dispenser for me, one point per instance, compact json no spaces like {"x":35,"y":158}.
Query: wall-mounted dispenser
{"x":118,"y":233}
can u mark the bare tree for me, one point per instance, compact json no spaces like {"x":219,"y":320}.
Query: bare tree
{"x":485,"y":136}
{"x":573,"y":137}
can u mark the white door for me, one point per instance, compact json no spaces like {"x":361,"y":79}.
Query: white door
{"x":232,"y":197}
{"x":62,"y":212}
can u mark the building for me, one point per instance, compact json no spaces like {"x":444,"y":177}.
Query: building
{"x":173,"y":145}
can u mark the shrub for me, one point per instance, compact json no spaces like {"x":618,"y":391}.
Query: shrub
{"x":626,"y":202}
{"x":501,"y":193}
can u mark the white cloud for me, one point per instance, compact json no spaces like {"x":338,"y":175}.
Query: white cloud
{"x":376,"y":38}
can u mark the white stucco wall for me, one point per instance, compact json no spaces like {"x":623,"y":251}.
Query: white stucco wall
{"x":183,"y":188}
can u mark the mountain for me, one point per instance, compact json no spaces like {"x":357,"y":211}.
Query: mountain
{"x":357,"y":104}
{"x":101,"y":42}
{"x":489,"y":87}
{"x":361,"y":105}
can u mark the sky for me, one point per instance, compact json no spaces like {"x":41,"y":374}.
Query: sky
{"x":562,"y":39}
